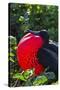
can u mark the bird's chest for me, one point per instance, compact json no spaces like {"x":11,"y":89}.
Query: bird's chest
{"x":27,"y":51}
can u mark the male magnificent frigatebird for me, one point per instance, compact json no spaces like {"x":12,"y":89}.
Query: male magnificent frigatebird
{"x":36,"y":51}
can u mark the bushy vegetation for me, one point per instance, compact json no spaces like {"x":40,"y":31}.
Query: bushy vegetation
{"x":21,"y":18}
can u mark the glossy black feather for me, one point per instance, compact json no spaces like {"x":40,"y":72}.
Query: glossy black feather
{"x":48,"y":57}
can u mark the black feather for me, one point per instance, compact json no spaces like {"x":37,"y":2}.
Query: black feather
{"x":48,"y":57}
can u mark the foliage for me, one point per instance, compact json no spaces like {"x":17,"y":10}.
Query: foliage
{"x":35,"y":17}
{"x":24,"y":75}
{"x":40,"y":80}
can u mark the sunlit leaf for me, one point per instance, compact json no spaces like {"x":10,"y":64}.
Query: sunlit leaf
{"x":28,"y":73}
{"x":12,"y":40}
{"x":21,"y":19}
{"x":40,"y":80}
{"x":11,"y":54}
{"x":15,"y":47}
{"x":11,"y":59}
{"x":19,"y":76}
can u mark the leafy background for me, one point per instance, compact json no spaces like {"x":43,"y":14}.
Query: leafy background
{"x":23,"y":17}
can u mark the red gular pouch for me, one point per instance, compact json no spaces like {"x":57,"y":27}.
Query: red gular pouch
{"x":27,"y":52}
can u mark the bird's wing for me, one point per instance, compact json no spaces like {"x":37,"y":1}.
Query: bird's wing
{"x":48,"y":57}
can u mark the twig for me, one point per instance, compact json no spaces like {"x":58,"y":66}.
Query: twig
{"x":15,"y":83}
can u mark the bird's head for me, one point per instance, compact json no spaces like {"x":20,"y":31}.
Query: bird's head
{"x":44,"y":34}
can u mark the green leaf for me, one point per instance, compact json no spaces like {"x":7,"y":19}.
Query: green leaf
{"x":11,"y":59}
{"x":50,"y":75}
{"x":40,"y":80}
{"x":12,"y":40}
{"x":28,"y":73}
{"x":19,"y":76}
{"x":11,"y":54}
{"x":15,"y":47}
{"x":21,"y":19}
